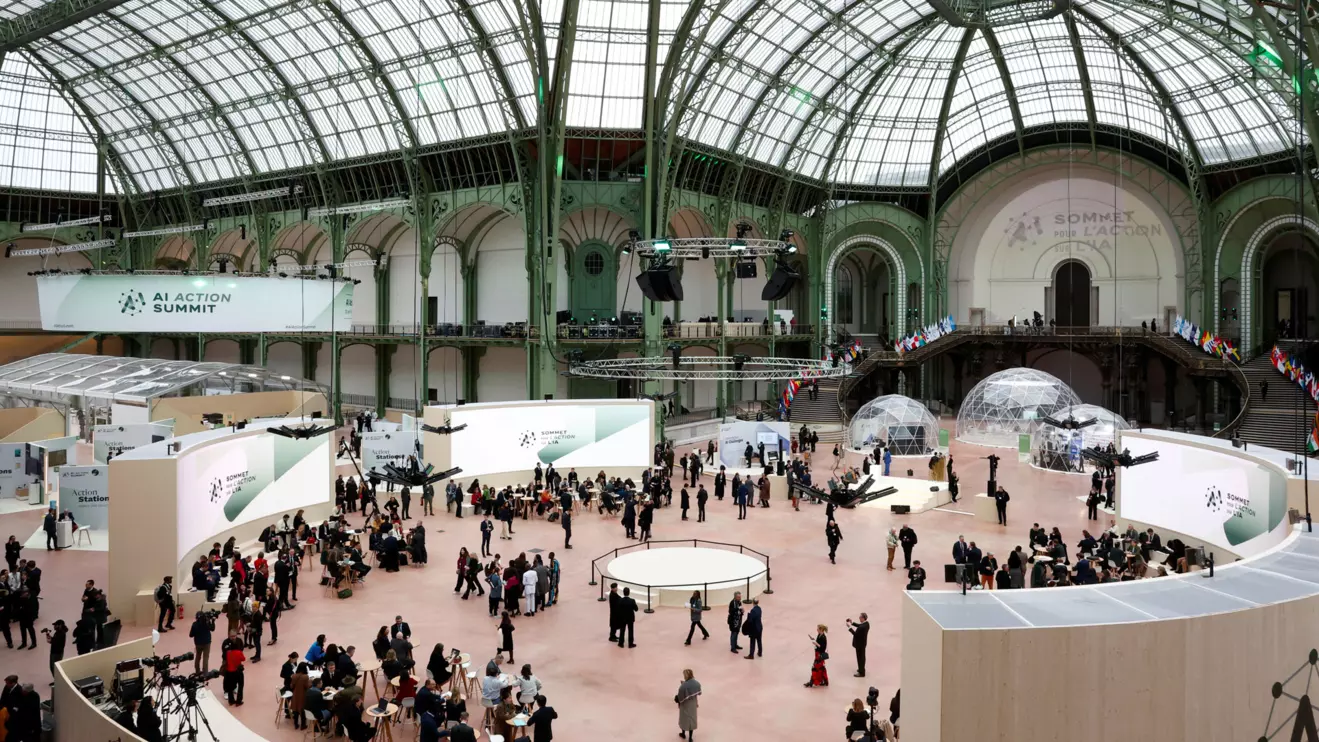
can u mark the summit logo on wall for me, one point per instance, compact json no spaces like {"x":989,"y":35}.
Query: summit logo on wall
{"x":179,"y":303}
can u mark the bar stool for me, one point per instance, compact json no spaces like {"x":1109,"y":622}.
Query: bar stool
{"x":80,"y":534}
{"x":282,"y":698}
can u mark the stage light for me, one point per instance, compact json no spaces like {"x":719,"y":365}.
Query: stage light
{"x":282,"y":274}
{"x":676,"y":351}
{"x":705,"y":252}
{"x":786,"y":235}
{"x":739,"y":360}
{"x":661,"y":246}
{"x":743,"y":229}
{"x":738,"y":245}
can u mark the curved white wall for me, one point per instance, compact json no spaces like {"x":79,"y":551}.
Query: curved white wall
{"x":1006,"y":251}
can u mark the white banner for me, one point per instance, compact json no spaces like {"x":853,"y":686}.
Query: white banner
{"x":85,"y":492}
{"x":12,"y":474}
{"x":734,"y":437}
{"x":1217,"y":498}
{"x":248,"y":478}
{"x":178,"y":303}
{"x":585,"y":436}
{"x":109,"y":441}
{"x":393,"y":447}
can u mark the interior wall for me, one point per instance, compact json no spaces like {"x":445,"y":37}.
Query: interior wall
{"x":446,"y":284}
{"x":403,"y":373}
{"x":79,"y":720}
{"x":28,"y":424}
{"x":1077,"y":371}
{"x":445,"y":373}
{"x":404,"y":280}
{"x":503,"y":375}
{"x":357,"y":370}
{"x":187,"y":411}
{"x":286,"y":358}
{"x":364,"y":293}
{"x":700,"y":288}
{"x":501,"y":274}
{"x":1004,"y":255}
{"x":163,"y":348}
{"x":223,"y":351}
{"x":20,"y":290}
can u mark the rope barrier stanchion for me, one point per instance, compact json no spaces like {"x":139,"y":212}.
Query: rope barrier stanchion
{"x":768,"y":579}
{"x":747,"y":599}
{"x":648,"y":608}
{"x":705,"y":597}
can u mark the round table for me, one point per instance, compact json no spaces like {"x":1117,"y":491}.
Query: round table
{"x":519,"y":724}
{"x":372,"y":669}
{"x":384,"y":718}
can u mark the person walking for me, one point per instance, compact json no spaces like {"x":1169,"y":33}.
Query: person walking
{"x":734,"y":621}
{"x":696,"y":610}
{"x":754,"y":630}
{"x":860,"y":636}
{"x":48,"y":525}
{"x":907,"y":538}
{"x":701,"y":497}
{"x":819,"y":673}
{"x":1001,"y":498}
{"x":565,"y":519}
{"x":720,"y":482}
{"x":506,"y":629}
{"x":165,"y":600}
{"x":1263,"y":390}
{"x":687,"y":698}
{"x":627,"y":618}
{"x":834,"y":535}
{"x":891,"y":541}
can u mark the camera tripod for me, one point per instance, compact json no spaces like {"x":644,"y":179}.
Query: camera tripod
{"x":176,"y":700}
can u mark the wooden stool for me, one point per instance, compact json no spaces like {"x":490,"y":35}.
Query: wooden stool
{"x":282,"y":698}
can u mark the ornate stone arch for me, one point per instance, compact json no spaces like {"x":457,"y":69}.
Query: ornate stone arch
{"x":874,"y":243}
{"x":1262,"y":234}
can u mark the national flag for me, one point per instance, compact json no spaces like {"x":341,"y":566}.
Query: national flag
{"x":1312,"y":443}
{"x":1277,"y":357}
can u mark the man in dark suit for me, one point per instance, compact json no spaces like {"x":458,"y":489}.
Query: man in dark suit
{"x":48,"y":525}
{"x":959,"y":550}
{"x":461,"y":732}
{"x":1001,"y":498}
{"x":720,"y":482}
{"x":283,"y":578}
{"x":916,"y":576}
{"x":614,"y":599}
{"x":907,"y":538}
{"x":627,"y":617}
{"x":734,"y":621}
{"x":400,"y":627}
{"x":754,"y":630}
{"x":860,"y":635}
{"x":696,"y":468}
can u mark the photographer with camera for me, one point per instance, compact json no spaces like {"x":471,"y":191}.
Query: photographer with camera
{"x":57,"y":638}
{"x":203,"y":625}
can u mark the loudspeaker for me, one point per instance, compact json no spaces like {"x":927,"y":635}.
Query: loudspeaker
{"x":745,"y":269}
{"x":900,"y":509}
{"x":780,"y":283}
{"x":950,"y":572}
{"x":661,"y":283}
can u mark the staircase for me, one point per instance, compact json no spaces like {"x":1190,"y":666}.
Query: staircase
{"x":1282,"y":418}
{"x":821,"y":411}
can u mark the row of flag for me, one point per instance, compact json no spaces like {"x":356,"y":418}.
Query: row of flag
{"x":926,"y":335}
{"x":1205,"y":340}
{"x":1291,"y":367}
{"x":847,"y":354}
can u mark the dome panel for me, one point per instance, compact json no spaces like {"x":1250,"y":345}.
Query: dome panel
{"x":1011,"y":403}
{"x":901,"y":422}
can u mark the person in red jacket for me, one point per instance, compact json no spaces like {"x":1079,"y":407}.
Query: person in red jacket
{"x":233,"y":673}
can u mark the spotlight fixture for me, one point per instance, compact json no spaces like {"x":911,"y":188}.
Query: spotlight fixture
{"x":743,"y":229}
{"x":356,"y":281}
{"x":444,"y":429}
{"x":738,"y":245}
{"x":739,"y":360}
{"x":661,"y":246}
{"x":301,"y":433}
{"x":1070,"y":423}
{"x":705,"y":252}
{"x":282,"y":274}
{"x":676,"y":351}
{"x":786,"y":235}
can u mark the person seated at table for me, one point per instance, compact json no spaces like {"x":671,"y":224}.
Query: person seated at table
{"x":391,"y":665}
{"x":315,"y":703}
{"x":455,"y":707}
{"x":358,"y":567}
{"x":438,"y":667}
{"x":504,"y":713}
{"x":407,"y":688}
{"x":1087,"y":544}
{"x":350,"y":718}
{"x":543,"y":505}
{"x":1085,"y":573}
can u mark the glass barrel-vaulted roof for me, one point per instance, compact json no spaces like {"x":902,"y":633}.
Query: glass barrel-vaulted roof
{"x":886,"y":93}
{"x":61,"y":377}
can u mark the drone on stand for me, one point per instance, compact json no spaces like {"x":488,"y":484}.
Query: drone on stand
{"x":1069,"y":423}
{"x":1111,"y":460}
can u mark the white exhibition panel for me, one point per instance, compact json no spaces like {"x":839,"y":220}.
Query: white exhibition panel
{"x":734,"y":437}
{"x":178,"y":303}
{"x":112,"y":440}
{"x":228,"y":483}
{"x":84,"y":491}
{"x":1231,"y":500}
{"x":503,"y":438}
{"x":12,"y":474}
{"x":127,"y":414}
{"x":392,"y":447}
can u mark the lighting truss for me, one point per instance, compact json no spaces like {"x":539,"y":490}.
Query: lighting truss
{"x":709,"y":368}
{"x":59,"y":249}
{"x":396,"y":203}
{"x":242,"y":198}
{"x":712,"y":247}
{"x":72,"y":223}
{"x":322,"y":266}
{"x":177,"y":229}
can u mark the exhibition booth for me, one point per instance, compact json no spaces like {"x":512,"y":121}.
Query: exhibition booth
{"x":501,"y":443}
{"x":1192,"y":656}
{"x":194,"y":490}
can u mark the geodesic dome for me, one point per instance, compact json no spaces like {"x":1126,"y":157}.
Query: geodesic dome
{"x":1011,"y":402}
{"x":1052,"y":447}
{"x":905,"y":424}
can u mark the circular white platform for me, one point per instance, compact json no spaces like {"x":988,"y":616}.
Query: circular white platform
{"x":717,"y":573}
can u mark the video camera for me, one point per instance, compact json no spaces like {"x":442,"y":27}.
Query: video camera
{"x":208,"y":616}
{"x":164,"y":663}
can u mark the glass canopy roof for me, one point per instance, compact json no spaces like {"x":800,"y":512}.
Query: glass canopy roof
{"x":61,"y":377}
{"x":866,"y":92}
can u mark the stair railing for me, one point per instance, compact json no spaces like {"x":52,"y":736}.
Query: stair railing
{"x":1243,"y":383}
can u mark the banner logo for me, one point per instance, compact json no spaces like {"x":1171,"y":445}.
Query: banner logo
{"x":217,"y":489}
{"x":1299,"y":725}
{"x":132,"y":303}
{"x":1214,"y":499}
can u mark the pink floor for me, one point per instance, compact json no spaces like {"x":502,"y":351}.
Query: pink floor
{"x":599,"y":690}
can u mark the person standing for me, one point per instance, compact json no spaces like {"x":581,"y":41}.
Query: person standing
{"x":689,"y":693}
{"x":627,"y":618}
{"x":696,"y":608}
{"x":165,"y":600}
{"x":1092,"y":504}
{"x":741,"y":496}
{"x":891,"y":541}
{"x":283,"y":577}
{"x":888,"y":460}
{"x":709,"y":452}
{"x":959,"y":550}
{"x":734,"y":621}
{"x":860,"y":636}
{"x":696,"y":467}
{"x":48,"y":525}
{"x":987,"y":567}
{"x":200,"y":633}
{"x":1016,"y":567}
{"x":56,"y":636}
{"x":684,"y":502}
{"x":646,"y":518}
{"x":907,"y":538}
{"x":1001,"y":498}
{"x":629,"y":516}
{"x":834,"y":535}
{"x":565,"y":519}
{"x":406,"y":498}
{"x":820,"y":673}
{"x":12,"y":548}
{"x":754,"y":630}
{"x":720,"y":482}
{"x":614,"y":613}
{"x":541,"y":719}
{"x":701,"y":497}
{"x":529,"y":579}
{"x":506,"y":629}
{"x":487,"y":528}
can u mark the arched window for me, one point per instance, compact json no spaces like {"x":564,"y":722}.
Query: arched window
{"x":843,"y":297}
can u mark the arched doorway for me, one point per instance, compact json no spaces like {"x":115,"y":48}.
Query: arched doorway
{"x":594,"y":284}
{"x":1287,"y":279}
{"x":1071,"y":294}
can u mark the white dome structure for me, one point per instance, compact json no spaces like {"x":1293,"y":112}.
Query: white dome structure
{"x":1051,"y":447}
{"x":1011,"y":402}
{"x":905,"y":424}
